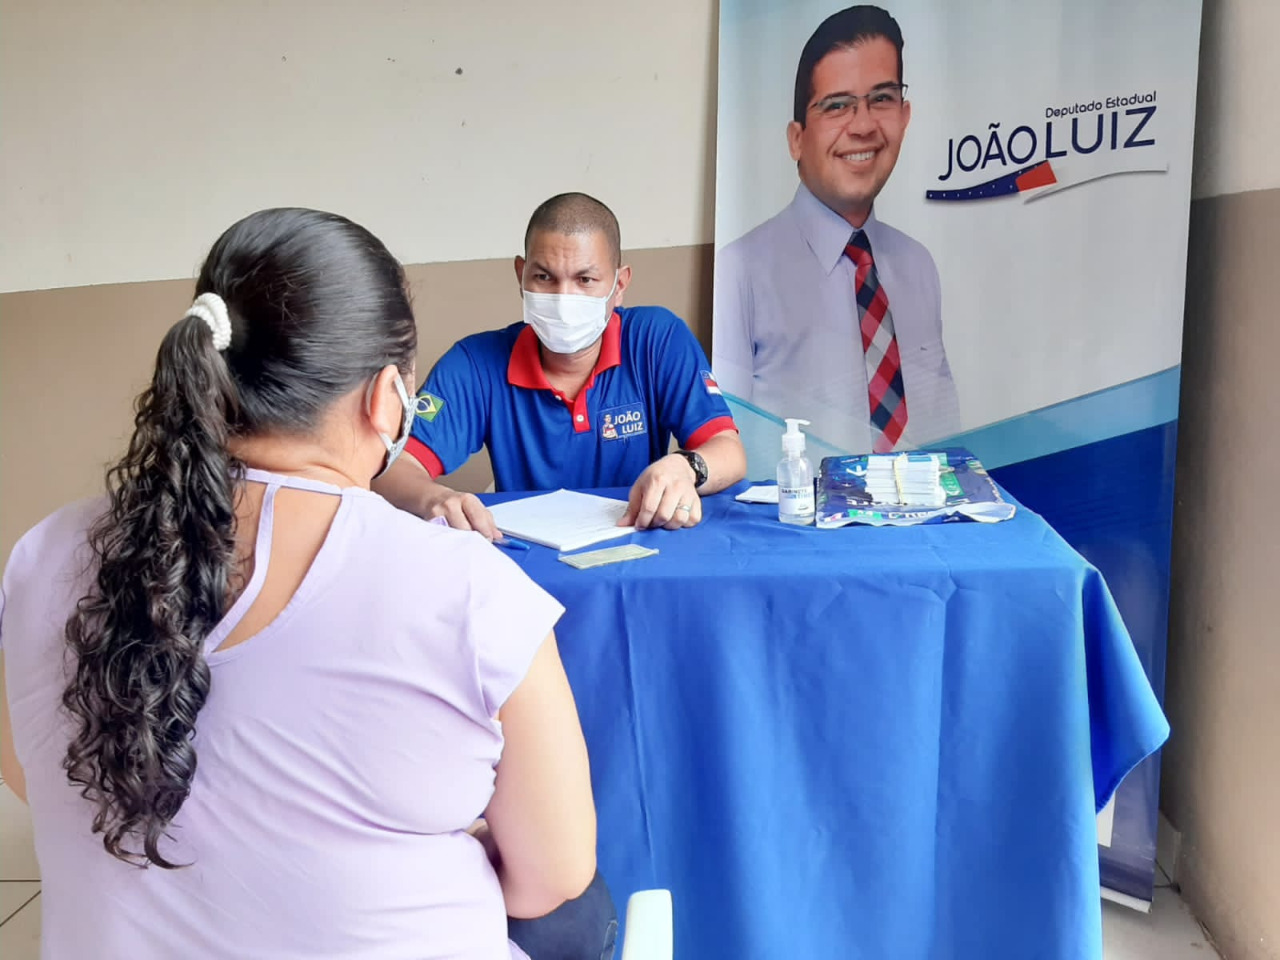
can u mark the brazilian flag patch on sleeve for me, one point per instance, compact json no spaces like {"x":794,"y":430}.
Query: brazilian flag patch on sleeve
{"x":429,"y":406}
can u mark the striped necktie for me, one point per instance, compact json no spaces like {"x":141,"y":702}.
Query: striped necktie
{"x":885,"y":395}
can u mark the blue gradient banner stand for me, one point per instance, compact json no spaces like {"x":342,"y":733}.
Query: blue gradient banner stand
{"x":1020,"y":175}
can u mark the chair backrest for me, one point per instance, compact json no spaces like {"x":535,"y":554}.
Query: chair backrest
{"x":649,"y":934}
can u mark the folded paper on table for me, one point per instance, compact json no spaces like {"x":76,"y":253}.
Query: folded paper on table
{"x":601,"y":558}
{"x":767,"y":493}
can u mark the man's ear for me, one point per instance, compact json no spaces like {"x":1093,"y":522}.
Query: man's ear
{"x":794,"y":133}
{"x":519,"y":272}
{"x":624,"y":281}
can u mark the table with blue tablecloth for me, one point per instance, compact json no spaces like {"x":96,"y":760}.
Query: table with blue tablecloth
{"x":861,"y":743}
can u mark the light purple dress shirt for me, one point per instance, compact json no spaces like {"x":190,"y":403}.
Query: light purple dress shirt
{"x":342,"y":752}
{"x":786,"y":335}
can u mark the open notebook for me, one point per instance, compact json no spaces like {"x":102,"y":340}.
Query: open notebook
{"x":563,"y":520}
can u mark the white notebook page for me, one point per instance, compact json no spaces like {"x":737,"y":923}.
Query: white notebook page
{"x":563,"y":520}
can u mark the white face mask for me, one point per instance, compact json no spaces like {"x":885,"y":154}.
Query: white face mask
{"x":394,"y":447}
{"x":567,"y":322}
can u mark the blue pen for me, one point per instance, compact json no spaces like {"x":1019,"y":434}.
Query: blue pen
{"x":511,"y":544}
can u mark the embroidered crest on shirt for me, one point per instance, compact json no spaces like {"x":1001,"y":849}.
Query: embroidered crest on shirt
{"x":618,"y":423}
{"x":709,"y":383}
{"x":428,"y":406}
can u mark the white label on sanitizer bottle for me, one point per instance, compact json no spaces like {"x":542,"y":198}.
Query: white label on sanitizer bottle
{"x":795,"y":501}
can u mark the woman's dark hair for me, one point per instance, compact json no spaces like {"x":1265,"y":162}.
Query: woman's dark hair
{"x":317,"y":307}
{"x":843,"y":29}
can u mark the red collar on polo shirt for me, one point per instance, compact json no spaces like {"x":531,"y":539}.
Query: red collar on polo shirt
{"x":525,"y":368}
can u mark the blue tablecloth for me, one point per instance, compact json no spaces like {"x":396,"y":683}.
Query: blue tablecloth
{"x":858,"y":743}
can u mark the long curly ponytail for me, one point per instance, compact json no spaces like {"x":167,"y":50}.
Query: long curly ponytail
{"x":317,"y":305}
{"x":165,"y":551}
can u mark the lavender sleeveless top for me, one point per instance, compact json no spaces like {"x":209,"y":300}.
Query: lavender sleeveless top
{"x":342,"y":752}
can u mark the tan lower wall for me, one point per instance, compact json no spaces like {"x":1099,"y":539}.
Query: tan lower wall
{"x":73,"y":359}
{"x":1221,"y":769}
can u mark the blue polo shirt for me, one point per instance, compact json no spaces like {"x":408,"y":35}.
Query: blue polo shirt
{"x":652,"y":381}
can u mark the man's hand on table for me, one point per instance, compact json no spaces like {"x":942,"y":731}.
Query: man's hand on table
{"x":664,"y":496}
{"x":462,"y":511}
{"x":410,"y":487}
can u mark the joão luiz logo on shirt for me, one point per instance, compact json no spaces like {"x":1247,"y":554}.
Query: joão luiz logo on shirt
{"x":617,"y":423}
{"x":1075,"y":143}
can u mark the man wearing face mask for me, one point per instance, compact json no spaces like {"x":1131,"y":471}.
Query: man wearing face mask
{"x":583,"y":393}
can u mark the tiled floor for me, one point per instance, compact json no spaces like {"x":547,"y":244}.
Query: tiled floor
{"x":19,"y":882}
{"x":1168,"y":932}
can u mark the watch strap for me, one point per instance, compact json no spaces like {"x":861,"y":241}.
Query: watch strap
{"x":698,"y":464}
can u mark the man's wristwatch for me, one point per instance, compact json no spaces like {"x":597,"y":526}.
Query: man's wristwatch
{"x":699,"y":466}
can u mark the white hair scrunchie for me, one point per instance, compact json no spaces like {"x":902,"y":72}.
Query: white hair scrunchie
{"x":210,"y":308}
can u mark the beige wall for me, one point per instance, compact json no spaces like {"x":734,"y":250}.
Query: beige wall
{"x":1221,"y":769}
{"x":135,"y":131}
{"x":1237,"y":125}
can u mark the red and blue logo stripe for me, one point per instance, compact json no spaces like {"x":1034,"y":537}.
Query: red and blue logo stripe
{"x":1028,"y":178}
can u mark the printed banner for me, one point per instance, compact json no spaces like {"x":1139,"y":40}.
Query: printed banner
{"x":944,"y":224}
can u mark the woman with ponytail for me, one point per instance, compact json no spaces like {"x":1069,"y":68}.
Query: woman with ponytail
{"x":256,"y":710}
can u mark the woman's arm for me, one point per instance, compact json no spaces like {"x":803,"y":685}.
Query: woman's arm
{"x":14,"y":778}
{"x":542,"y":815}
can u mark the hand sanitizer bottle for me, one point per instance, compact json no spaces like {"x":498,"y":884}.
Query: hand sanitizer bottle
{"x":795,"y":478}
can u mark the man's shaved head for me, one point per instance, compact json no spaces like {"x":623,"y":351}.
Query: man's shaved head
{"x":575,"y":214}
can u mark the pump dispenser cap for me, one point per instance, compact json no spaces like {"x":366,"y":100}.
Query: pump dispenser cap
{"x":793,"y":439}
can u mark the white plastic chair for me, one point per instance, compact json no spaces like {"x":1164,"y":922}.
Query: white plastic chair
{"x":649,"y":934}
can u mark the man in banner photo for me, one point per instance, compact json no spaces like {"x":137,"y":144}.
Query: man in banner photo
{"x":825,"y":311}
